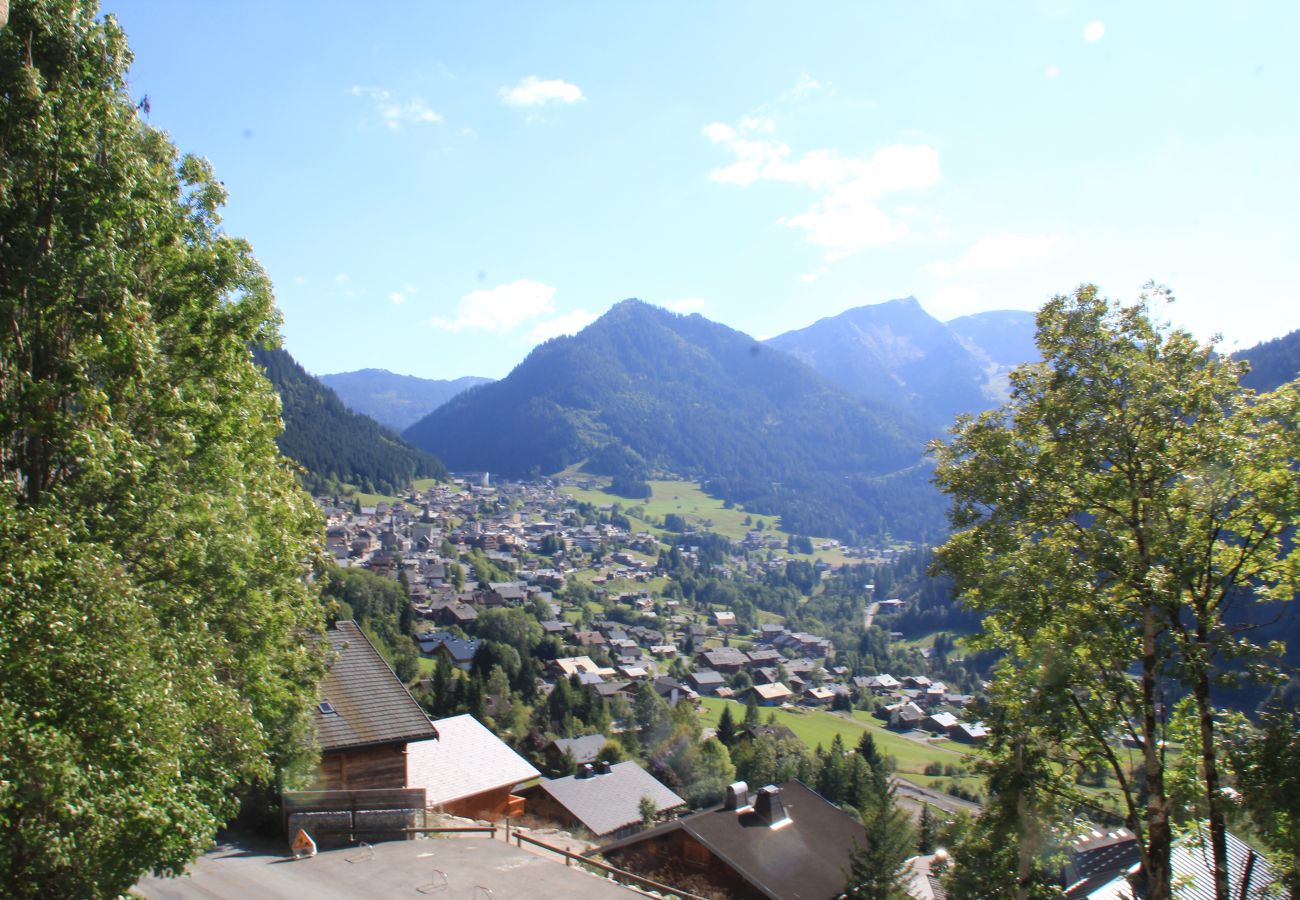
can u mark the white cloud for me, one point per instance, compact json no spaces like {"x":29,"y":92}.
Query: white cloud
{"x":719,"y":133}
{"x":500,"y":308}
{"x":752,"y":158}
{"x":685,"y":305}
{"x":395,"y":112}
{"x":397,"y":298}
{"x":1052,"y":72}
{"x":953,"y":300}
{"x":803,"y":87}
{"x":342,"y":278}
{"x":998,"y":252}
{"x":534,"y":91}
{"x":810,"y":277}
{"x":568,"y":323}
{"x":1094,"y":31}
{"x":848,"y":217}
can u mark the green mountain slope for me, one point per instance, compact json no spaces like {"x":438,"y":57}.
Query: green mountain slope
{"x":395,"y":401}
{"x":643,"y":388}
{"x":334,"y":444}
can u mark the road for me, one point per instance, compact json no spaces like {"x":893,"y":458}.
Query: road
{"x":870,"y":615}
{"x":913,"y":795}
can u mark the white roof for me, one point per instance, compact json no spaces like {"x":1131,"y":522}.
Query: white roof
{"x":465,"y":759}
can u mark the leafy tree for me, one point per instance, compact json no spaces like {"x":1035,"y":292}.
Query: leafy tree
{"x":1108,"y":519}
{"x":648,"y":809}
{"x":158,"y":650}
{"x":1267,"y":765}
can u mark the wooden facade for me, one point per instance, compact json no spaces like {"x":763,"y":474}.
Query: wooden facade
{"x":370,"y":768}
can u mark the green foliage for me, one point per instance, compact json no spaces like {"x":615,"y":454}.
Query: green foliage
{"x":1109,"y":519}
{"x":158,"y":649}
{"x":335,"y":445}
{"x":876,"y":869}
{"x":1266,"y":762}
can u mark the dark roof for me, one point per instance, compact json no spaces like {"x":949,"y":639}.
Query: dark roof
{"x":584,"y":749}
{"x":370,"y":705}
{"x":806,"y":859}
{"x":608,"y":802}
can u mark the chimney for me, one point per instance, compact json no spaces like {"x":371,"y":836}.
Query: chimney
{"x":602,"y":767}
{"x":768,"y":806}
{"x":737,"y":796}
{"x":586,"y":771}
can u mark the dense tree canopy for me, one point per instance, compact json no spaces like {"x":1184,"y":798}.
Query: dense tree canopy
{"x":156,"y":647}
{"x":1108,"y":519}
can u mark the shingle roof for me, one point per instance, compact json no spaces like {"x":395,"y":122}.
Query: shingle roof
{"x":606,"y":803}
{"x":465,"y":760}
{"x":370,"y":704}
{"x":584,"y":749}
{"x":804,"y":860}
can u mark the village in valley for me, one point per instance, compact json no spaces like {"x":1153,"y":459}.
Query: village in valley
{"x":632,"y":651}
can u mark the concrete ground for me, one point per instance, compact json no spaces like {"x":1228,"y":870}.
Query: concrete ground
{"x":239,"y":871}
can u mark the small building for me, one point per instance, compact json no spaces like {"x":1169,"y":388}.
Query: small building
{"x":786,"y":842}
{"x":604,"y":799}
{"x":770,"y":694}
{"x":366,"y":717}
{"x":468,"y":771}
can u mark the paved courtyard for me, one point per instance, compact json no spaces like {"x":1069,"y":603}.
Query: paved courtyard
{"x":394,"y":869}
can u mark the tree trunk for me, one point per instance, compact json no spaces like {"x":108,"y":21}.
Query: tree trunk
{"x":1156,"y":874}
{"x":1210,"y":770}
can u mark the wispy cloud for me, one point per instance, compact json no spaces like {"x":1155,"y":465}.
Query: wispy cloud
{"x":685,"y":305}
{"x":998,"y":253}
{"x":396,"y":112}
{"x":500,"y":308}
{"x":848,"y":217}
{"x":397,"y":298}
{"x":534,"y":91}
{"x":568,"y":323}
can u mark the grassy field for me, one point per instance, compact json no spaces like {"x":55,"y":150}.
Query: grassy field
{"x":820,"y":727}
{"x":685,"y":499}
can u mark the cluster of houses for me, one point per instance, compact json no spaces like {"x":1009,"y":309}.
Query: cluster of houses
{"x":384,"y":763}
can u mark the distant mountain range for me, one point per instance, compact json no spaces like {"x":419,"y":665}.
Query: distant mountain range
{"x":395,"y":400}
{"x":333,"y":444}
{"x":896,"y":354}
{"x":645,"y":388}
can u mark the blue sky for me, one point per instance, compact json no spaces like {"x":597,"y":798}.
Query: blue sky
{"x":435,"y":187}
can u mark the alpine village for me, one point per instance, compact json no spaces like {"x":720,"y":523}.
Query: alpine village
{"x":883,"y":607}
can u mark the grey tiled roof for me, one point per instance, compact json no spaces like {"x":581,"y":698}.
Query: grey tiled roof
{"x":371,"y":705}
{"x":606,"y":803}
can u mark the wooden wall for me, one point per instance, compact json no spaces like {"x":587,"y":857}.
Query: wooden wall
{"x":369,"y":769}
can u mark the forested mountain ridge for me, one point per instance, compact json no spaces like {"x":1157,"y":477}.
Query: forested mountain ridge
{"x":333,"y":444}
{"x":1272,"y":363}
{"x":898,"y":355}
{"x":690,"y":396}
{"x":395,"y":401}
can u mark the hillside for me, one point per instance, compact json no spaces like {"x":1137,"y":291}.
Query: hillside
{"x":1272,"y":362}
{"x":644,"y":390}
{"x":896,"y":354}
{"x":1006,"y":336}
{"x":395,"y":401}
{"x":333,"y":443}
